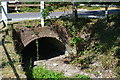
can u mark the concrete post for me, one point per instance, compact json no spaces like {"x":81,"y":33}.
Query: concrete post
{"x":4,"y":12}
{"x":41,"y":12}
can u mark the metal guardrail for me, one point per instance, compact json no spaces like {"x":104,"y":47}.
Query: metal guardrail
{"x":98,"y":5}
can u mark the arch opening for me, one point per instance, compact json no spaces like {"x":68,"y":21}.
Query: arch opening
{"x":42,"y":49}
{"x":50,"y":47}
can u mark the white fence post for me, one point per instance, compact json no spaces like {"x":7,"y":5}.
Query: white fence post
{"x":4,"y":12}
{"x":41,"y":11}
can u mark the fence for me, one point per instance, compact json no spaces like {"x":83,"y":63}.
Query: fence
{"x":4,"y":10}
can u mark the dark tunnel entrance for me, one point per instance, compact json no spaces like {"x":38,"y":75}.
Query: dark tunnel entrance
{"x":49,"y":48}
{"x":42,"y":48}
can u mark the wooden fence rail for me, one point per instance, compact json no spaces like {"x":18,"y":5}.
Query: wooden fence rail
{"x":5,"y":6}
{"x":26,"y":5}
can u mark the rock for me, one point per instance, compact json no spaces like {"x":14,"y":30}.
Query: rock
{"x":98,"y":71}
{"x":66,"y":53}
{"x":0,"y":77}
{"x":99,"y":77}
{"x":74,"y":51}
{"x":95,"y":64}
{"x":20,"y":67}
{"x":67,"y":74}
{"x":2,"y":66}
{"x":36,"y":63}
{"x":22,"y":76}
{"x":55,"y":64}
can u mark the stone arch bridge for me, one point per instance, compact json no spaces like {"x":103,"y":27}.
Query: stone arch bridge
{"x":48,"y":41}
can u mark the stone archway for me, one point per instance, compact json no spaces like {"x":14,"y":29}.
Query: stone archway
{"x":41,"y":42}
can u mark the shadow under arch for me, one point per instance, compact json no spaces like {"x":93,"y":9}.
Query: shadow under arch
{"x":49,"y":47}
{"x":41,"y":48}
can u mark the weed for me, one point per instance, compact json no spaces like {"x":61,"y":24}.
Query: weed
{"x":74,"y":61}
{"x":40,"y":72}
{"x":95,"y":73}
{"x":28,"y":26}
{"x":88,"y":70}
{"x":75,"y":40}
{"x":108,"y":62}
{"x":82,"y":77}
{"x":117,"y":71}
{"x":28,"y":9}
{"x":80,"y":53}
{"x":39,"y":23}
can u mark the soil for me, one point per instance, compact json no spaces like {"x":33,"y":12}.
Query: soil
{"x":1,"y":50}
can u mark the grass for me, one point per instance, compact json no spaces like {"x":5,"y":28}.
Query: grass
{"x":101,"y":43}
{"x":7,"y":69}
{"x":95,"y":8}
{"x":42,"y":72}
{"x":82,"y":77}
{"x":88,"y":8}
{"x":27,"y":9}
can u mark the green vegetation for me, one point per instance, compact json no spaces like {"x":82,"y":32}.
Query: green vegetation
{"x":59,"y":6}
{"x":82,"y":77}
{"x":88,"y":8}
{"x":28,"y":26}
{"x":6,"y":70}
{"x":117,"y":71}
{"x":95,"y":41}
{"x":75,"y":40}
{"x":28,"y":9}
{"x":41,"y":72}
{"x":53,"y":6}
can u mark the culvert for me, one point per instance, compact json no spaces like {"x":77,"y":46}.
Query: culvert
{"x":40,"y":42}
{"x":41,"y":48}
{"x":50,"y":47}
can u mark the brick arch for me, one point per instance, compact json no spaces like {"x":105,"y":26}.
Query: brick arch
{"x":39,"y":32}
{"x":22,"y":36}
